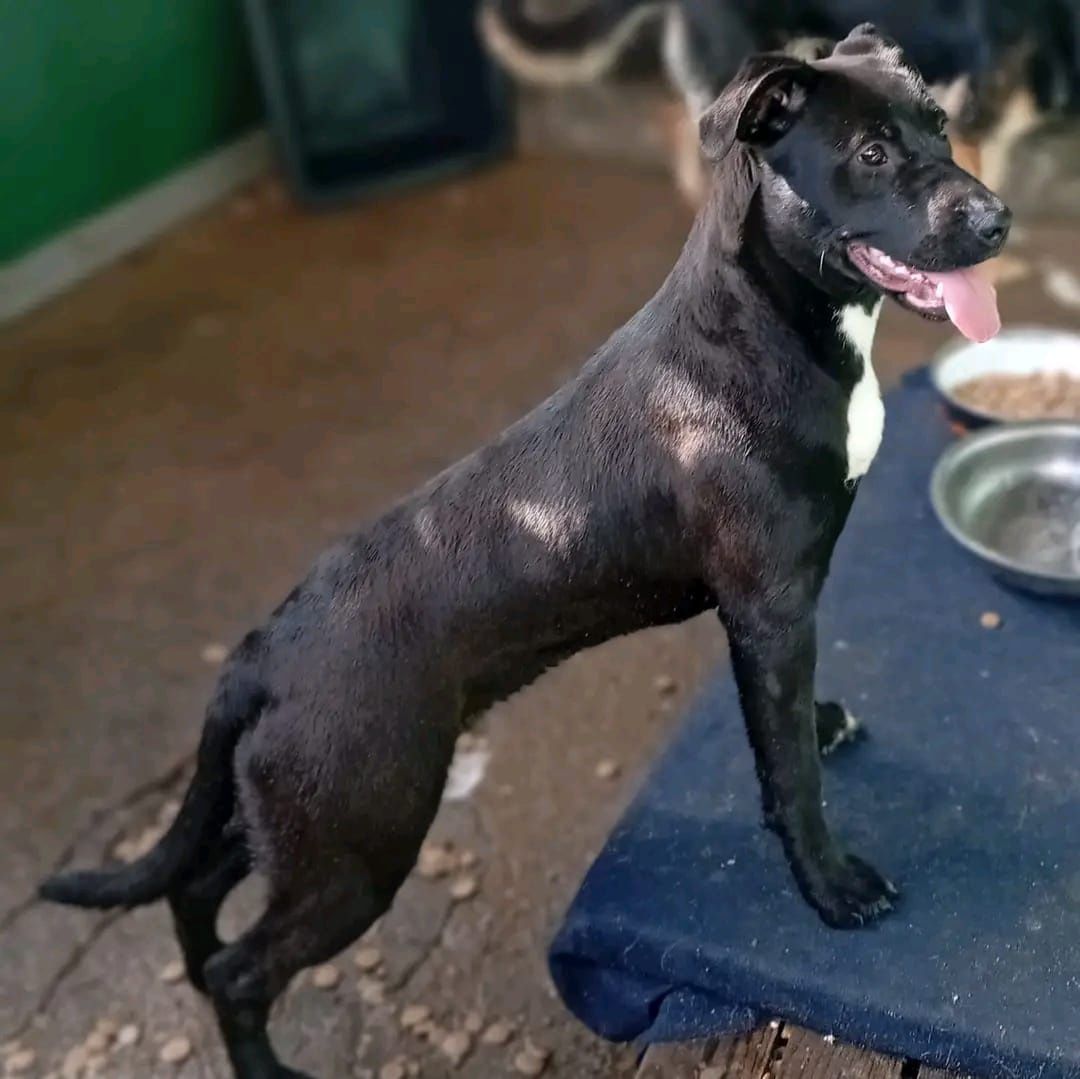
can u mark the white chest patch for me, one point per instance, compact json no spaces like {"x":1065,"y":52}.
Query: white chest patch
{"x":866,"y":411}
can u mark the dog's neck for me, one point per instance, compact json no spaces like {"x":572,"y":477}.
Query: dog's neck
{"x":754,"y":220}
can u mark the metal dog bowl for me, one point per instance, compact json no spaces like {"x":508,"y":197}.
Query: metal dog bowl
{"x":1024,"y":351}
{"x":1011,"y":496}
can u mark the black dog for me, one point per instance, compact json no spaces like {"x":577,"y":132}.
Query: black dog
{"x":705,"y":458}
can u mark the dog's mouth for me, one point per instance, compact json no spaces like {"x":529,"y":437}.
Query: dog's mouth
{"x":963,"y":296}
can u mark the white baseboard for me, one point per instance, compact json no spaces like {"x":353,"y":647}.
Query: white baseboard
{"x":74,"y":255}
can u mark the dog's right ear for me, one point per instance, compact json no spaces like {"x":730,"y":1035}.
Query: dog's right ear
{"x":759,"y":106}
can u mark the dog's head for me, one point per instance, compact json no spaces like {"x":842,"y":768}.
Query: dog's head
{"x":852,"y":151}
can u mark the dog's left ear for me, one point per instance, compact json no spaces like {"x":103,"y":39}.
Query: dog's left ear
{"x":759,"y":106}
{"x":867,"y":40}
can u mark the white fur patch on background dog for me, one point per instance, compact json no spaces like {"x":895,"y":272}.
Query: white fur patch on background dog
{"x":563,"y":69}
{"x":866,"y":410}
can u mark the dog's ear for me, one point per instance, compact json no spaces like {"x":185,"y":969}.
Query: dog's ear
{"x":867,"y":40}
{"x":759,"y":106}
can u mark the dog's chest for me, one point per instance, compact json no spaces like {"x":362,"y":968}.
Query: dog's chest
{"x":866,"y":411}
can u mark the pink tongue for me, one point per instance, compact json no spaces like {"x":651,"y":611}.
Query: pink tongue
{"x":970,"y":301}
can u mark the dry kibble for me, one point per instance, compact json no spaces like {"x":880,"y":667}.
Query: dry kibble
{"x":456,"y":1047}
{"x":532,"y":1060}
{"x":371,"y":991}
{"x":215,"y":653}
{"x":127,"y":1035}
{"x":474,"y":1022}
{"x":395,"y":1069}
{"x":463,"y":887}
{"x":436,"y":860}
{"x":990,"y":620}
{"x":175,"y":1050}
{"x":1039,"y":396}
{"x":412,"y":1014}
{"x":97,"y":1041}
{"x":172,"y":972}
{"x":74,"y":1063}
{"x":607,"y":769}
{"x":664,"y":684}
{"x":325,"y":977}
{"x":133,"y":847}
{"x":367,"y":959}
{"x":20,"y":1062}
{"x":430,"y":1031}
{"x":109,"y":1027}
{"x":498,"y":1033}
{"x":467,"y":859}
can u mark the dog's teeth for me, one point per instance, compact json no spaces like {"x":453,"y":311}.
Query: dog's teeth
{"x":939,"y":289}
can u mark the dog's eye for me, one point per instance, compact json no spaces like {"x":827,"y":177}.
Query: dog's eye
{"x":874,"y":154}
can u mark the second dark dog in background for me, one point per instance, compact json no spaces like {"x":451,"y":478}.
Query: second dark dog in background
{"x":995,"y":66}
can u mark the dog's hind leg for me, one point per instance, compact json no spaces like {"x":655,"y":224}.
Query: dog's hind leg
{"x":332,"y":903}
{"x":195,"y":904}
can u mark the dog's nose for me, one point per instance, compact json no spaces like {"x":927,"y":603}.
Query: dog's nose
{"x":989,"y":219}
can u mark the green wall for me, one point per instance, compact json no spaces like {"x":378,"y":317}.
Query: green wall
{"x":101,"y":97}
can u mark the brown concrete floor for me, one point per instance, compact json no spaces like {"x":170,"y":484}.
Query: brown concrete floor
{"x":178,"y":439}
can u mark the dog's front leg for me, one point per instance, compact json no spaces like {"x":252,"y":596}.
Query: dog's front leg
{"x":774,"y":663}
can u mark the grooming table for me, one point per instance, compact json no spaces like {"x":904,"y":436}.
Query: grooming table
{"x":966,"y":792}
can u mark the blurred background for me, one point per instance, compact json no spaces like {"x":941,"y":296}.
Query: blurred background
{"x":265,"y":268}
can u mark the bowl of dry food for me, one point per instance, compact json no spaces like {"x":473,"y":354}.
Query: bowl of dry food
{"x":1010,"y":495}
{"x":1022,"y":374}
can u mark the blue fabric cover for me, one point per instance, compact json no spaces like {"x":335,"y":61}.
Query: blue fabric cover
{"x":966,"y":793}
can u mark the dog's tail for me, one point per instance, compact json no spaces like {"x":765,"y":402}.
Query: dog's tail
{"x":564,"y":52}
{"x":204,"y":813}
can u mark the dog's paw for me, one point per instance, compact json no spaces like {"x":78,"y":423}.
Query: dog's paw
{"x":836,"y":726}
{"x":850,"y":893}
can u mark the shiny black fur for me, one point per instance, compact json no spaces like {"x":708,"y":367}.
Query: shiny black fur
{"x":697,"y":462}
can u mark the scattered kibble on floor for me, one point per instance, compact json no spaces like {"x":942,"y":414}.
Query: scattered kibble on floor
{"x":990,"y":620}
{"x":498,"y":1033}
{"x":325,"y":977}
{"x":215,"y":653}
{"x":456,"y":1046}
{"x":607,"y":769}
{"x":413,"y":1014}
{"x":664,"y":684}
{"x":127,"y":1035}
{"x":20,"y":1062}
{"x":463,"y":887}
{"x":367,"y":959}
{"x":172,"y":972}
{"x":175,"y":1050}
{"x":531,"y":1060}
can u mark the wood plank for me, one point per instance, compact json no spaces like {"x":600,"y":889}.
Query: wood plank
{"x":744,"y":1057}
{"x":809,"y":1056}
{"x":748,"y":1057}
{"x":682,"y":1060}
